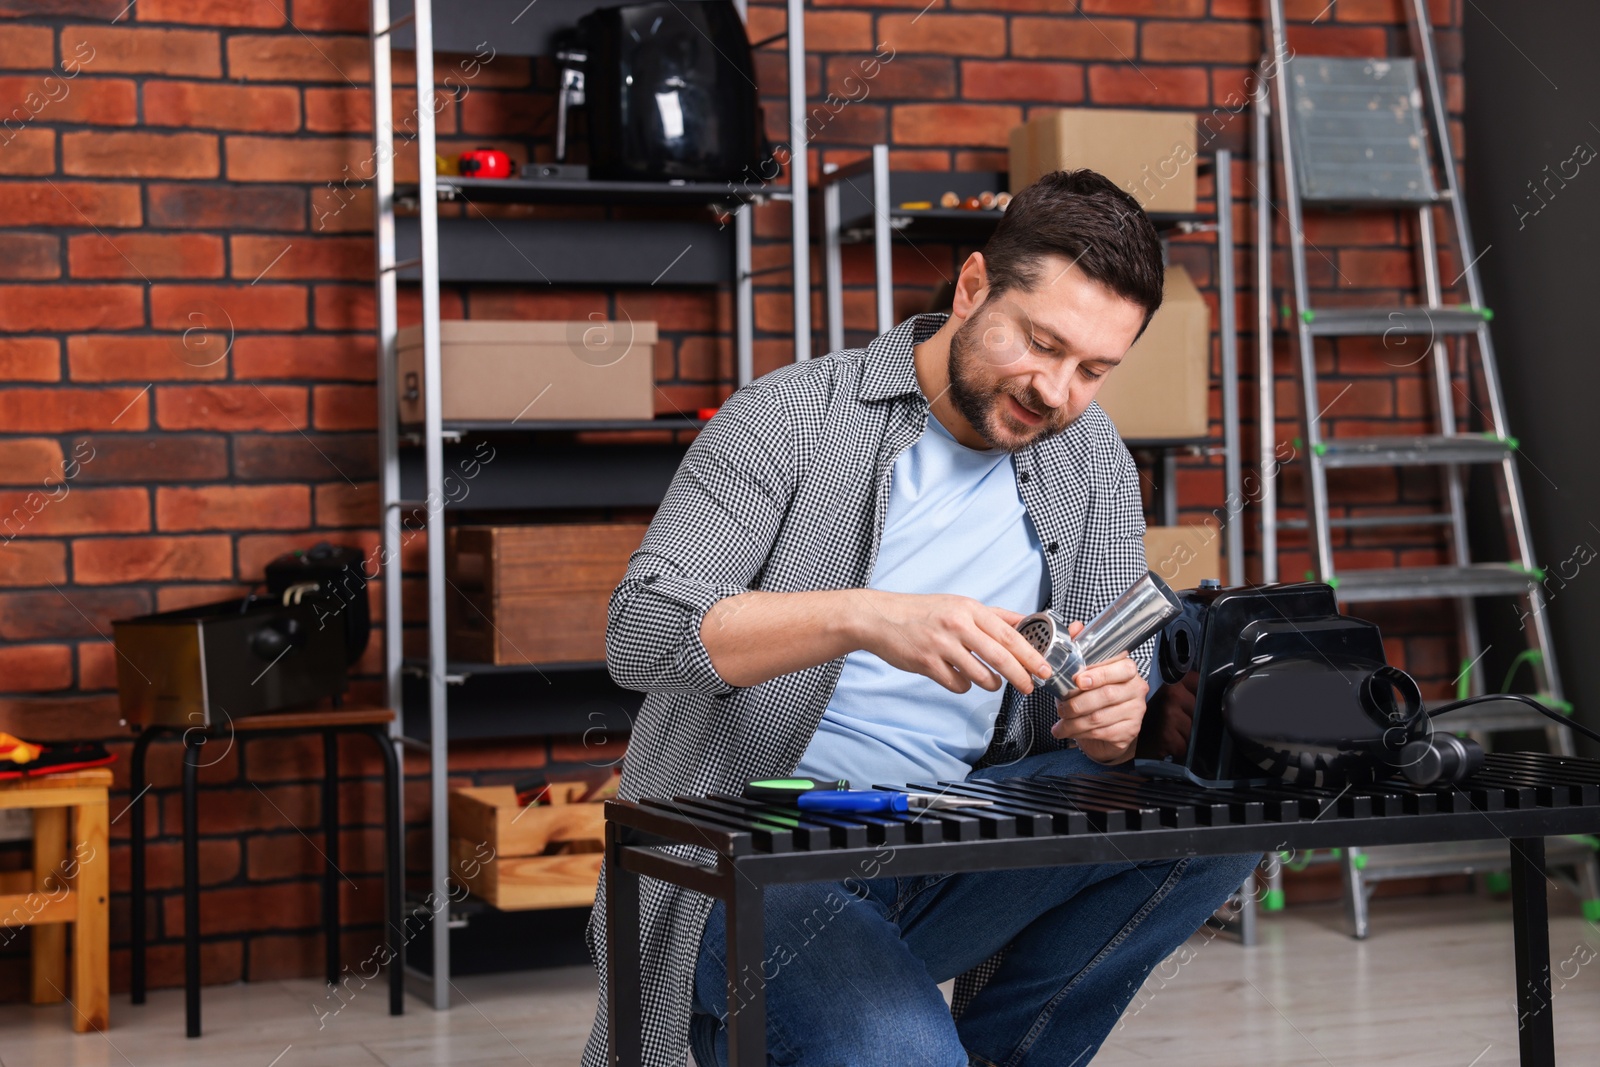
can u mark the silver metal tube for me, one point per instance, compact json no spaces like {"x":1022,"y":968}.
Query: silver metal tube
{"x":1266,"y":380}
{"x":388,"y":411}
{"x":832,"y":263}
{"x":387,"y":327}
{"x":1229,"y":329}
{"x":1266,"y":399}
{"x":1316,"y":478}
{"x":433,"y":448}
{"x":744,"y":283}
{"x":882,"y":234}
{"x":1133,"y":618}
{"x":744,"y":299}
{"x":1130,"y":620}
{"x":799,"y":179}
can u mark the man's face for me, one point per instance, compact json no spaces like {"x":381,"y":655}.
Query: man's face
{"x":1027,"y":363}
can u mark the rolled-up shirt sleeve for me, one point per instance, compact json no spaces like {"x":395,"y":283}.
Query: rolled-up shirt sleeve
{"x":708,"y":540}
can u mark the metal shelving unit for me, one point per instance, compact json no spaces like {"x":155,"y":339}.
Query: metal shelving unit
{"x":537,"y":465}
{"x":872,"y":194}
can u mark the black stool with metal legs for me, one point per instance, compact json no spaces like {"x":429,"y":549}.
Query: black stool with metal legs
{"x":374,"y":723}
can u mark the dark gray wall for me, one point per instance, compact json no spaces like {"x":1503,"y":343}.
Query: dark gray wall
{"x":1532,"y":99}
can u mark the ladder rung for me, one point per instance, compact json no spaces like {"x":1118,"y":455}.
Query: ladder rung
{"x":1410,"y":861}
{"x":1406,"y":320}
{"x":1416,"y":583}
{"x":1511,"y":717}
{"x":1370,"y":522}
{"x":1410,"y":451}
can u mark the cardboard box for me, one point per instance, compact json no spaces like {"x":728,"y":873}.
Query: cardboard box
{"x":541,"y":856}
{"x":1182,"y":555}
{"x":1151,"y":154}
{"x":502,"y":370}
{"x":534,"y":593}
{"x":1161,"y":389}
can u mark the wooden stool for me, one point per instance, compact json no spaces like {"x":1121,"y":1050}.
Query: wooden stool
{"x":374,"y":723}
{"x":69,"y":885}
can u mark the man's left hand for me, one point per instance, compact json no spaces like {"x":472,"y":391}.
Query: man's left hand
{"x":1104,"y":715}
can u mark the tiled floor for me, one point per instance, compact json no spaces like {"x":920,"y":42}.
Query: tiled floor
{"x":1432,"y":987}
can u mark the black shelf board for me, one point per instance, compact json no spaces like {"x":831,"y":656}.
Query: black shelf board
{"x":671,"y":422}
{"x":946,"y":223}
{"x":960,"y":224}
{"x":596,"y":191}
{"x":520,"y":704}
{"x":1136,"y":444}
{"x":626,"y":251}
{"x":523,"y":470}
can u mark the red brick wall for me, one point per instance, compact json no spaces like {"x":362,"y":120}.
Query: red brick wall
{"x":177,"y":184}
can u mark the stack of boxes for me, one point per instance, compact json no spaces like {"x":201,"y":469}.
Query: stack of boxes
{"x":1161,"y":391}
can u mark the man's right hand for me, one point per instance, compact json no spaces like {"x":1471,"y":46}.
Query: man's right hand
{"x":942,"y":636}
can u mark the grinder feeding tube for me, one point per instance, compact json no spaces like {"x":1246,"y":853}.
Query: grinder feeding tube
{"x":1131,"y":620}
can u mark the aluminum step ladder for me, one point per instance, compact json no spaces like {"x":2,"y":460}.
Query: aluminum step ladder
{"x":1370,"y":134}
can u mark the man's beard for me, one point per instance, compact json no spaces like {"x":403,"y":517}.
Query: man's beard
{"x":979,"y":402}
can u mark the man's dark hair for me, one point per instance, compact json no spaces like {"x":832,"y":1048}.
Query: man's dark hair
{"x":1084,"y":218}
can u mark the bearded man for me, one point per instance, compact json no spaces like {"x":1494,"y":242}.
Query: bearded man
{"x":831,"y":588}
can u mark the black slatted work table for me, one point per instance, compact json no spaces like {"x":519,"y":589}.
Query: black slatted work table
{"x":1095,"y":818}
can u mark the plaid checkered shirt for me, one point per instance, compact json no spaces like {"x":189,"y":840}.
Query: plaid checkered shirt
{"x":786,"y":489}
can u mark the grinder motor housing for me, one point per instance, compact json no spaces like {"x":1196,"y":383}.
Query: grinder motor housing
{"x":1288,"y":689}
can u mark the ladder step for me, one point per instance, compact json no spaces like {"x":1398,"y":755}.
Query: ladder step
{"x":1369,"y":522}
{"x":1405,"y":320}
{"x":1486,"y":719}
{"x":1410,"y":451}
{"x":1410,"y":861}
{"x":1417,"y":583}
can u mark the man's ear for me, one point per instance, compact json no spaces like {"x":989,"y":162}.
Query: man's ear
{"x":972,"y":286}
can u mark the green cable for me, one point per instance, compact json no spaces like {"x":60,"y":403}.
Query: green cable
{"x":1527,"y":655}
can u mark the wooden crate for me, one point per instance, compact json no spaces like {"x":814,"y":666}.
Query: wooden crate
{"x":535,"y":593}
{"x":542,"y":856}
{"x":524,"y":883}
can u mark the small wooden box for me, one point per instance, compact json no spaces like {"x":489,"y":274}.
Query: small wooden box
{"x":541,"y":856}
{"x":535,"y":593}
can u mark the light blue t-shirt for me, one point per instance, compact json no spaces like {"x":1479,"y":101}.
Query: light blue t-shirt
{"x":955,"y":524}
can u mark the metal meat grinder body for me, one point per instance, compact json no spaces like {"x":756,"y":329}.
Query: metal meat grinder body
{"x":1131,"y":620}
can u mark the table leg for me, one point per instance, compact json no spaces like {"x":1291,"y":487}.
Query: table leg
{"x":330,"y":847}
{"x":136,"y":786}
{"x":91,"y":931}
{"x":1530,"y":918}
{"x":49,"y":952}
{"x":191,"y":883}
{"x":747,"y":983}
{"x":624,"y":990}
{"x":393,"y":871}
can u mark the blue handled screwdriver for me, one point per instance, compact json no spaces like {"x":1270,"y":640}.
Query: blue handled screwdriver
{"x":810,"y":794}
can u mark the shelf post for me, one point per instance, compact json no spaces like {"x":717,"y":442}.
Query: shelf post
{"x":433,"y":501}
{"x":1229,"y":337}
{"x":882,"y":234}
{"x":387,"y":324}
{"x":832,"y":263}
{"x":744,"y":299}
{"x":799,"y":182}
{"x":1266,"y":401}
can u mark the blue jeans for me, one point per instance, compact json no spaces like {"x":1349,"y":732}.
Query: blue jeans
{"x":853,"y":967}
